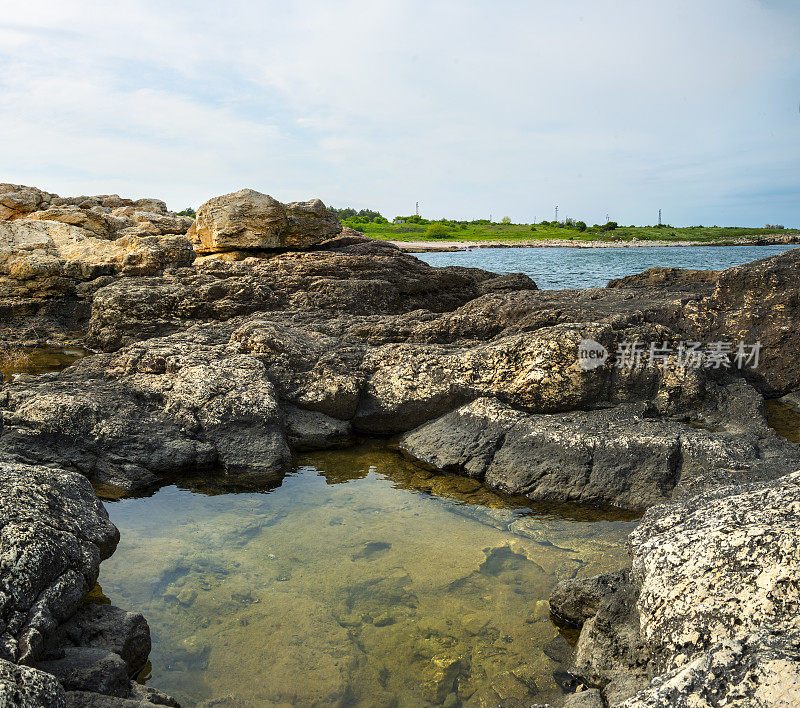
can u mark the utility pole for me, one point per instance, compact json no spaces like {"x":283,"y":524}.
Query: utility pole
{"x":606,"y":218}
{"x":417,"y":208}
{"x":659,"y":217}
{"x":556,"y":213}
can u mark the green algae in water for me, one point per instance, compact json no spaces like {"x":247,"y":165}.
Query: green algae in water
{"x":360,"y":581}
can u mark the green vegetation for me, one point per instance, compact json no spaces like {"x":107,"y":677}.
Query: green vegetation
{"x":438,"y":231}
{"x":365,"y":216}
{"x":417,"y":228}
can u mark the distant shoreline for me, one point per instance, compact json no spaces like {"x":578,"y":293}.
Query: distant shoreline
{"x":455,"y":246}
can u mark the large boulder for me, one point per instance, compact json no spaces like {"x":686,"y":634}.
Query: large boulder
{"x":249,"y":220}
{"x":718,"y":566}
{"x":53,"y":534}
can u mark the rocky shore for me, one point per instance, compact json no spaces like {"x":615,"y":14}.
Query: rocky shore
{"x":230,"y":341}
{"x":447,"y":246}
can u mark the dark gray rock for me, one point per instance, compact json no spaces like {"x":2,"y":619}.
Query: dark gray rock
{"x":574,"y":601}
{"x":675,"y":279}
{"x":309,"y":430}
{"x":143,"y":699}
{"x":53,"y":534}
{"x":627,"y":456}
{"x":755,"y":302}
{"x":353,"y":276}
{"x":162,"y":410}
{"x":610,"y":652}
{"x":109,"y":628}
{"x":90,"y":669}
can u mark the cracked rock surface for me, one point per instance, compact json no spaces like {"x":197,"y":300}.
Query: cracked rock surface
{"x":53,"y":534}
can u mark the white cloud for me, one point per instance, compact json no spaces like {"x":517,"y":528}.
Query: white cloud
{"x":470,"y":107}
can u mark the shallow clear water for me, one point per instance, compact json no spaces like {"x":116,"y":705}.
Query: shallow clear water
{"x":360,"y":581}
{"x":555,"y":268}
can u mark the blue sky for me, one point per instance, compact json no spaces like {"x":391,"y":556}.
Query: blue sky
{"x":471,"y":108}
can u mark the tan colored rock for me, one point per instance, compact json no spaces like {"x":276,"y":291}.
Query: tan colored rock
{"x":16,"y":200}
{"x":32,"y":249}
{"x":159,"y":224}
{"x":152,"y":205}
{"x":99,"y":224}
{"x":26,"y":250}
{"x":249,"y":220}
{"x":312,"y":217}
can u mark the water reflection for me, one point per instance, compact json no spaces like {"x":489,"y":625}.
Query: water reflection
{"x":360,"y":581}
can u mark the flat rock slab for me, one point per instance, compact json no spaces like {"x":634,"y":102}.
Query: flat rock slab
{"x":624,"y":456}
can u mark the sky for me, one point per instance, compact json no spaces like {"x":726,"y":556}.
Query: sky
{"x":473,"y":109}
